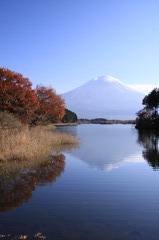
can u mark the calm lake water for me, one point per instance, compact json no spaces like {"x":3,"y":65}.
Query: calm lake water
{"x":105,"y":189}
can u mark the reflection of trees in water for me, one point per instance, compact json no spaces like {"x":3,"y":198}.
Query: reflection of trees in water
{"x":149,"y":140}
{"x":16,"y":189}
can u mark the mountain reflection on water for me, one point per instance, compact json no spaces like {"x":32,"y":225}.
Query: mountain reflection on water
{"x":110,"y":146}
{"x":87,"y":202}
{"x":106,"y":146}
{"x":100,"y":148}
{"x":150,"y":141}
{"x":16,"y":188}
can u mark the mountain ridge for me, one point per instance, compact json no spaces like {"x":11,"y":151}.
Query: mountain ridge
{"x":105,"y":97}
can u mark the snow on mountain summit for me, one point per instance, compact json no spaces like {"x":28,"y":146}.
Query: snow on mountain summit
{"x":105,"y":97}
{"x":106,"y":78}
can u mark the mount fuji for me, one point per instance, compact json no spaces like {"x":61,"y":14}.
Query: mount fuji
{"x":104,"y":97}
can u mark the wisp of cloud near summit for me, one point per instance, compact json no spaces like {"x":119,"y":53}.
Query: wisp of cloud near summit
{"x":143,"y":88}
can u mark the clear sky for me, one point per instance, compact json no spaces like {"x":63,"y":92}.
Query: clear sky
{"x":65,"y":43}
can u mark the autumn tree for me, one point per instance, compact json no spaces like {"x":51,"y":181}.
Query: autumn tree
{"x":17,"y":95}
{"x":31,"y":106}
{"x":51,"y":106}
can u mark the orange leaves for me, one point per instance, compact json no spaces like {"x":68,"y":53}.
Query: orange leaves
{"x":37,"y":235}
{"x":51,"y":105}
{"x":23,"y":237}
{"x":16,"y":95}
{"x":40,"y":236}
{"x":31,"y":106}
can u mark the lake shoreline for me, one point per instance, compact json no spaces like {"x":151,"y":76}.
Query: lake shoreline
{"x":30,"y":144}
{"x":105,"y":121}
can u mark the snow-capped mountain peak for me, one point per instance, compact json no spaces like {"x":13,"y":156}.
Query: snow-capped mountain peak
{"x":106,"y":78}
{"x":104,"y":97}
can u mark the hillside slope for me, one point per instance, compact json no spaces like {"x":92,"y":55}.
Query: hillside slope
{"x":104,"y":97}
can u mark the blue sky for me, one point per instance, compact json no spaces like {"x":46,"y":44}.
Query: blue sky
{"x":65,"y":43}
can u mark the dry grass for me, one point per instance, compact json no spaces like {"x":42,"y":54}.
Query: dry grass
{"x":49,"y":126}
{"x":30,"y":144}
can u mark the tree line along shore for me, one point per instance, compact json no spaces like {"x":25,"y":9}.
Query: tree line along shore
{"x":27,"y":117}
{"x":147,"y":118}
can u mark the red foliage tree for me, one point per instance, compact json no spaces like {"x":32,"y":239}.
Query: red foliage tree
{"x":51,"y":106}
{"x":16,"y":95}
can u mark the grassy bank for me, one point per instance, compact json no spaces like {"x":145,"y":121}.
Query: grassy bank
{"x":30,"y":144}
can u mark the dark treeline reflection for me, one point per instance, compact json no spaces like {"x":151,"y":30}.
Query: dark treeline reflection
{"x":150,"y":140}
{"x":16,"y":186}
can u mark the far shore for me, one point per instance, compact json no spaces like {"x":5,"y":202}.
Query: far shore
{"x":105,"y":121}
{"x":95,"y":121}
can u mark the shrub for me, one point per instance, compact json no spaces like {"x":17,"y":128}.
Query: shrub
{"x":70,"y":117}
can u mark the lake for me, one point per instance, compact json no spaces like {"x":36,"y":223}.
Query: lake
{"x":107,"y":188}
